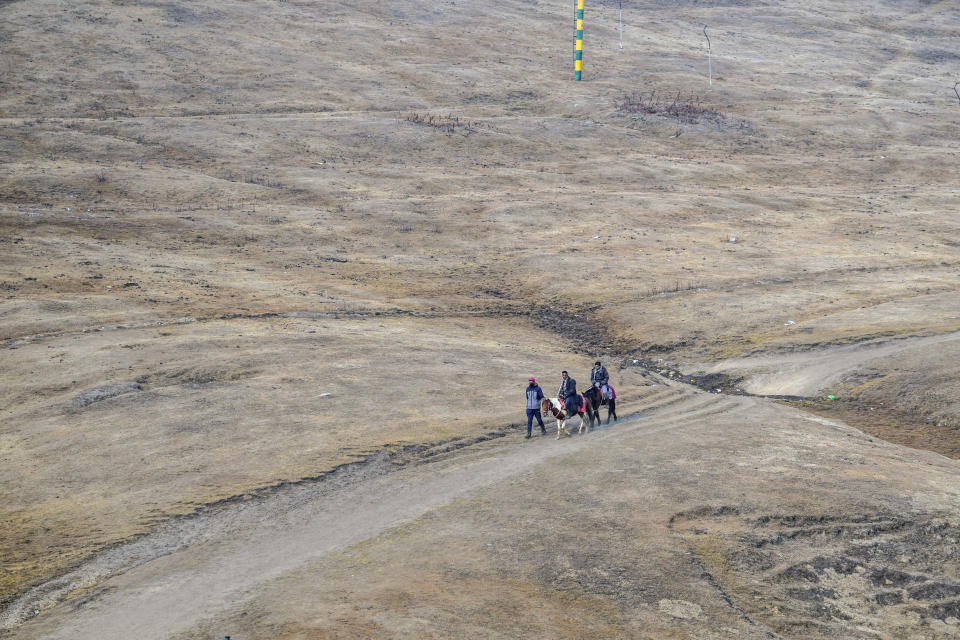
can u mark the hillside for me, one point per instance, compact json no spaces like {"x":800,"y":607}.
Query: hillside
{"x":243,"y":244}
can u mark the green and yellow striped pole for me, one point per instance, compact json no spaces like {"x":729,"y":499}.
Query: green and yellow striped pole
{"x":578,"y":48}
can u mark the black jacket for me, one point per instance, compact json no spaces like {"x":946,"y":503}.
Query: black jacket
{"x":567,"y":388}
{"x":599,"y":375}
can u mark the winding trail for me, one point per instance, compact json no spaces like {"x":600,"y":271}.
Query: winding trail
{"x":581,"y":520}
{"x":806,"y":373}
{"x":204,"y":564}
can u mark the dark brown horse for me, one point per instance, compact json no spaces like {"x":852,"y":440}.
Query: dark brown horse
{"x":596,"y":397}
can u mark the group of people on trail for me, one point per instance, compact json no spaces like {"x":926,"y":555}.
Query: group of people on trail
{"x":567,"y":393}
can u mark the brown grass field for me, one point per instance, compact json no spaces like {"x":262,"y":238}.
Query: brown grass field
{"x":246,"y":243}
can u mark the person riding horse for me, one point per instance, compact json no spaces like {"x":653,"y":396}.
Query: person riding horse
{"x":599,"y":378}
{"x":568,"y":392}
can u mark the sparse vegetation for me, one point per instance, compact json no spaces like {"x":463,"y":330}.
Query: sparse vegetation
{"x":263,"y":181}
{"x":678,"y":286}
{"x":198,"y":199}
{"x":685,"y":109}
{"x":447,"y":124}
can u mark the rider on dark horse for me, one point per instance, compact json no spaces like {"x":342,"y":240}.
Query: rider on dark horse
{"x":599,"y":378}
{"x":568,"y":393}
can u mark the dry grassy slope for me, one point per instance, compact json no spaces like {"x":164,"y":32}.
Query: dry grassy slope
{"x":107,"y":434}
{"x":162,"y":161}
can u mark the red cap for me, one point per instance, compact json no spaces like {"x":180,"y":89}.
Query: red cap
{"x":533,"y":379}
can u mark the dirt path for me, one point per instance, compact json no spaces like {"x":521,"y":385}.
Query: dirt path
{"x":806,"y":373}
{"x":689,"y":515}
{"x":205,"y":564}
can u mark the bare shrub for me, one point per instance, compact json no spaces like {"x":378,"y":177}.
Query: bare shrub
{"x":447,"y":124}
{"x":667,"y":290}
{"x":687,"y":109}
{"x":264,"y":182}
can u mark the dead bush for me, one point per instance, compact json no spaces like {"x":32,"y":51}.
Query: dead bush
{"x":449,"y":125}
{"x":687,"y":109}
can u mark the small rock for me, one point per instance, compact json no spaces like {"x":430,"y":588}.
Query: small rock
{"x":104,"y":392}
{"x":680,"y":609}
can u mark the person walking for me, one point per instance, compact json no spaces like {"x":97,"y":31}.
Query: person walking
{"x":600,"y":379}
{"x":534,"y":396}
{"x":568,"y":393}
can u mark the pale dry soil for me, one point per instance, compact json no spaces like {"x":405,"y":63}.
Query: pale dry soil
{"x":214,"y":214}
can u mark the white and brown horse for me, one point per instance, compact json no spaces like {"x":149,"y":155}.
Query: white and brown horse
{"x":558,"y":411}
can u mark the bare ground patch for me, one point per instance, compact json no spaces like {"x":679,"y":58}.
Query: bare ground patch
{"x":818,"y":575}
